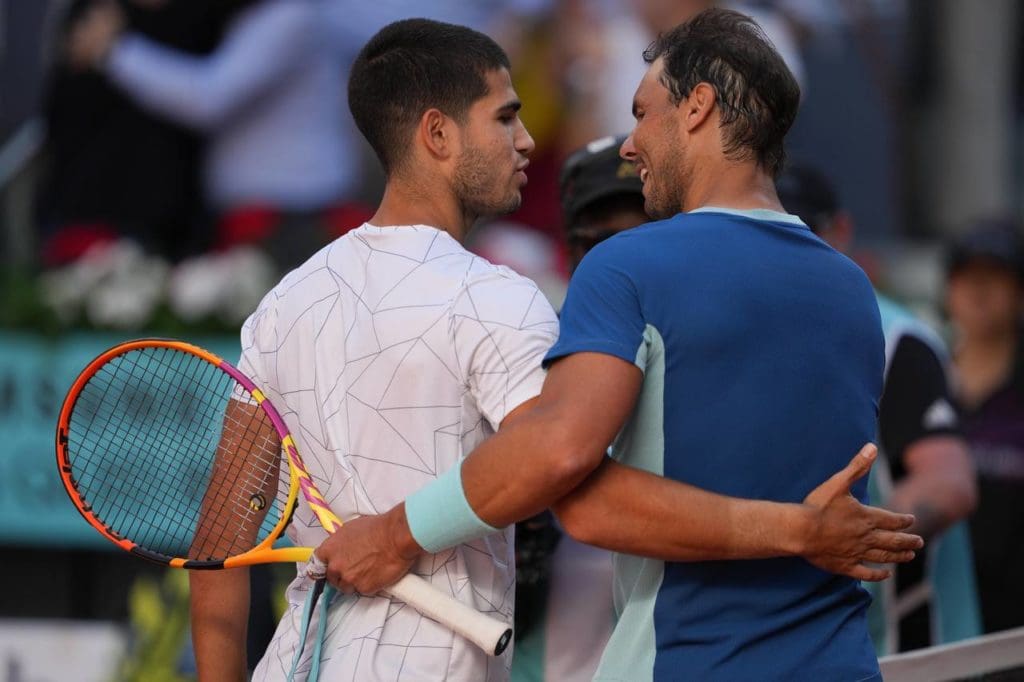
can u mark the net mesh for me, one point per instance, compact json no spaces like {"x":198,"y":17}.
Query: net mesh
{"x":170,"y":452}
{"x":998,"y":657}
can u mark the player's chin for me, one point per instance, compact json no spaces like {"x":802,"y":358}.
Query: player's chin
{"x":511,"y":204}
{"x":657,"y":210}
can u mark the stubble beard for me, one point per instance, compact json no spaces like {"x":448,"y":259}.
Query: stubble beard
{"x":477,"y":182}
{"x":666,"y":199}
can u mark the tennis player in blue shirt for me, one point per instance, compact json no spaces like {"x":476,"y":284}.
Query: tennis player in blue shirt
{"x":728,"y":353}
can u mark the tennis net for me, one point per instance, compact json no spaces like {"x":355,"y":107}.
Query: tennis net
{"x":998,"y":657}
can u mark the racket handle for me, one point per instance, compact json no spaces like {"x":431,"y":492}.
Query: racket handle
{"x":488,"y":633}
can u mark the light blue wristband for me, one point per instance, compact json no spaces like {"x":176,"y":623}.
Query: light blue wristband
{"x":439,"y":515}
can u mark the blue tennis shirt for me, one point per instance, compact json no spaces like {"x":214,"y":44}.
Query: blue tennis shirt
{"x":763,"y":355}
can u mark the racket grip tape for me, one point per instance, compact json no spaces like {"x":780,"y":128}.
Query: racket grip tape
{"x":488,"y":633}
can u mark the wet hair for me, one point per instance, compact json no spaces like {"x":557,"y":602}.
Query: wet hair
{"x":756,"y":93}
{"x":411,"y":66}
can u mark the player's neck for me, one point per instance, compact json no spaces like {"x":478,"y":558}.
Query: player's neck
{"x":408,"y":203}
{"x":740,"y":185}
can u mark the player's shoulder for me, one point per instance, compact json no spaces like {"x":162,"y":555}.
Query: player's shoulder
{"x":295,"y":291}
{"x":310,"y":279}
{"x":674,"y":233}
{"x":492,"y":291}
{"x":634,"y":241}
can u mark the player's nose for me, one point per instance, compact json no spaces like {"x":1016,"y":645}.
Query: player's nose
{"x":628,"y":150}
{"x":524,"y":141}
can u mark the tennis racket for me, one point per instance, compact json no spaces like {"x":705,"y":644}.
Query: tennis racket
{"x":175,"y":456}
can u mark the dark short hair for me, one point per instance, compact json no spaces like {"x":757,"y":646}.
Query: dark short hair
{"x":755,"y":90}
{"x":411,"y":66}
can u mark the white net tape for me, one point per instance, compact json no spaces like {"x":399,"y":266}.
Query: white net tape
{"x":999,"y":656}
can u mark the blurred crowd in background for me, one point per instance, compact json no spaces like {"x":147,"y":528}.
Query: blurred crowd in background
{"x":211,"y":142}
{"x":163,"y":162}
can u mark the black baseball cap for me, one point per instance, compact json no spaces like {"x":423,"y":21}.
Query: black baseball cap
{"x":992,"y":240}
{"x":807,"y":193}
{"x":595,"y":172}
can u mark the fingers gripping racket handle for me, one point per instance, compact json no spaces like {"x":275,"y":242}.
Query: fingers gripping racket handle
{"x":489,"y":634}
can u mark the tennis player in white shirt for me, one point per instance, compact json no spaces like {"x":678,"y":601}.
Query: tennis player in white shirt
{"x":393,"y":352}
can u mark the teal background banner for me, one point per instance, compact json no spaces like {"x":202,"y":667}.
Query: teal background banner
{"x":35,"y":373}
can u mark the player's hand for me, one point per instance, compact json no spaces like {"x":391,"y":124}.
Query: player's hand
{"x":845,"y":536}
{"x":367,"y":554}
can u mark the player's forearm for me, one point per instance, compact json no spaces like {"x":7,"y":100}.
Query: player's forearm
{"x":219,"y":603}
{"x":535,"y":459}
{"x":635,"y":512}
{"x":517,"y":473}
{"x":526,"y":468}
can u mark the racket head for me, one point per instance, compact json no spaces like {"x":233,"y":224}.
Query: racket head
{"x":174,"y":455}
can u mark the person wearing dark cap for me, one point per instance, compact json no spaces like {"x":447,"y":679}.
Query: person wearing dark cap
{"x":924,"y":466}
{"x":601,"y":196}
{"x":984,"y":299}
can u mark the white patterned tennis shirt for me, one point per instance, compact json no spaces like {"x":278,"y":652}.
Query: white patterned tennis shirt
{"x":391,"y":354}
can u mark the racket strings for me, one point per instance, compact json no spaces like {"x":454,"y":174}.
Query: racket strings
{"x":111,"y":473}
{"x":163,"y":440}
{"x":143,"y":493}
{"x":166,"y":458}
{"x":237,"y":497}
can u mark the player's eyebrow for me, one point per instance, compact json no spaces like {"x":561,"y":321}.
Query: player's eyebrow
{"x":512,"y":106}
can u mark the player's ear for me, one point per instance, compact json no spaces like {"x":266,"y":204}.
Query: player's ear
{"x":438,"y":134}
{"x":696,"y":107}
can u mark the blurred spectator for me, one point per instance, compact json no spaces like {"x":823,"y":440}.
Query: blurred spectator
{"x":113,"y":169}
{"x":284,"y":162}
{"x":603,"y":44}
{"x":984,"y":299}
{"x":268,"y":98}
{"x":859,"y":113}
{"x":923,"y":468}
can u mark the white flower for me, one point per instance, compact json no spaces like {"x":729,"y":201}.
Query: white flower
{"x":228,"y":285}
{"x":116,"y":284}
{"x":252,"y":276}
{"x":128,"y":289}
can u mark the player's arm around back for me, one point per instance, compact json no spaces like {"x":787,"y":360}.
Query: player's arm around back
{"x":586,"y":400}
{"x":542,"y":457}
{"x":632,"y":511}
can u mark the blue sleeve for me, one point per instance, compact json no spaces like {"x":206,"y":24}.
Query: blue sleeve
{"x":602,"y":312}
